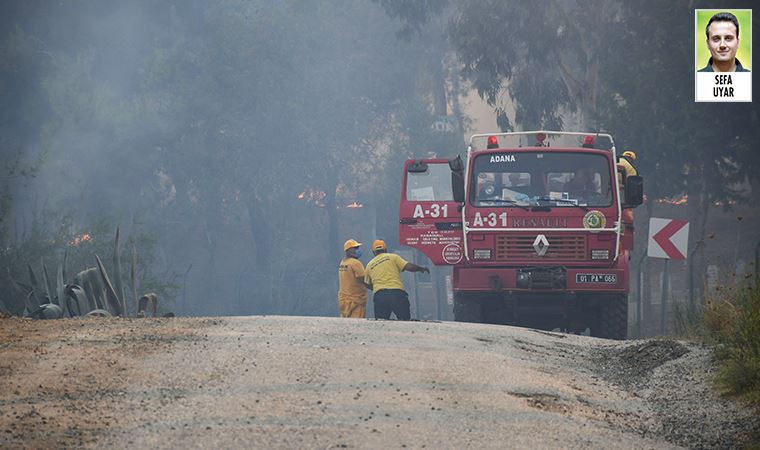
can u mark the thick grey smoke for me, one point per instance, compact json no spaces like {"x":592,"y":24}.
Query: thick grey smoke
{"x":229,"y":137}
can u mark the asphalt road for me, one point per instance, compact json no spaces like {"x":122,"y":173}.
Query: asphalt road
{"x":296,"y":382}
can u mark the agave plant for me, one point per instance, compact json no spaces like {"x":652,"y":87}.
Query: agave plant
{"x":90,"y":294}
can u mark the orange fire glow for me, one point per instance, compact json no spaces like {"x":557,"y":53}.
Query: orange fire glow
{"x":80,"y":238}
{"x":682,"y":200}
{"x":313,"y":196}
{"x":354,"y":205}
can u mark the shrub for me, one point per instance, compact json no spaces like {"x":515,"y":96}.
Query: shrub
{"x":733,"y":322}
{"x":60,"y":244}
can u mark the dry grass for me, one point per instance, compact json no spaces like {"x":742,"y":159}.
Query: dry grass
{"x":731,"y":319}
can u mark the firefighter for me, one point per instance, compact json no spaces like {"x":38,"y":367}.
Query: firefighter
{"x":582,"y":183}
{"x":352,"y":291}
{"x":384,"y":276}
{"x":627,"y":162}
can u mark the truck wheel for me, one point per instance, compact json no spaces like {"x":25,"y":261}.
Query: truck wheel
{"x":613,"y":319}
{"x":467,"y":307}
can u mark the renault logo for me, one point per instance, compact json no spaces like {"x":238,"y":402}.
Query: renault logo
{"x":540,"y":245}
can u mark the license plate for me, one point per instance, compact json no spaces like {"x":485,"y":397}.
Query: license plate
{"x":604,"y":278}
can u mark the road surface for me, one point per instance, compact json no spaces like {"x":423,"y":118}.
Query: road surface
{"x":298,"y":382}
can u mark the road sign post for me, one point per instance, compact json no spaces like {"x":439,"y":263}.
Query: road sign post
{"x":668,"y":239}
{"x":664,"y":298}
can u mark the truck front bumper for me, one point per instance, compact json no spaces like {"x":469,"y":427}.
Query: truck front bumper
{"x":540,"y":279}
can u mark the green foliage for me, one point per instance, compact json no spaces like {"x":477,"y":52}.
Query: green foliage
{"x":739,"y":332}
{"x":731,"y":321}
{"x":70,"y":247}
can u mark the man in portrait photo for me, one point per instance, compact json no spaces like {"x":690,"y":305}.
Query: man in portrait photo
{"x":723,"y":41}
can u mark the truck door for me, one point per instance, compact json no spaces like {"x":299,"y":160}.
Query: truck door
{"x":430,"y":219}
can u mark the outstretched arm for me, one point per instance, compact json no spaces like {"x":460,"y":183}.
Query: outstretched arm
{"x":364,"y":283}
{"x":409,"y":267}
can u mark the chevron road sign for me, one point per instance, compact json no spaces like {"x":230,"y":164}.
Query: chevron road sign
{"x":668,"y":238}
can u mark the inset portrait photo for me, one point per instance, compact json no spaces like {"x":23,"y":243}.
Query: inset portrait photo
{"x":723,"y":55}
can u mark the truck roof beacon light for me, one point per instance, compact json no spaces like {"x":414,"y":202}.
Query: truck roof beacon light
{"x":493,"y":142}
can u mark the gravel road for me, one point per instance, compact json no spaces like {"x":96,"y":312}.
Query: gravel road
{"x":298,"y":382}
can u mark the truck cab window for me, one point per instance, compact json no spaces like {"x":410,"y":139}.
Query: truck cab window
{"x":433,"y":185}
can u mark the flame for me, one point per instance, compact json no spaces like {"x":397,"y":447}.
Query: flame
{"x":81,"y":238}
{"x":354,"y":204}
{"x":313,"y":196}
{"x":682,"y":200}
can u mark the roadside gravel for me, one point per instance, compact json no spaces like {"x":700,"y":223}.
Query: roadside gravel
{"x":297,"y":382}
{"x":676,"y":379}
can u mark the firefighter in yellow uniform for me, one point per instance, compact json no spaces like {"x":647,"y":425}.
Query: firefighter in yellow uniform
{"x":384,"y":278}
{"x":626,"y":162}
{"x":352,"y":291}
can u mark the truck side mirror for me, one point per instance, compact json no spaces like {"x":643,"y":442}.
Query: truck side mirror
{"x":417,"y":167}
{"x":456,"y":164}
{"x":634,"y":191}
{"x":457,"y":179}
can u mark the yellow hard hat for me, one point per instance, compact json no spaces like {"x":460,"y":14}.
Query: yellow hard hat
{"x":351,"y":243}
{"x":379,"y":245}
{"x":630,"y":154}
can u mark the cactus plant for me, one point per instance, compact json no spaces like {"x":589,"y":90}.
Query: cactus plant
{"x":76,"y":300}
{"x":60,"y":289}
{"x":111,"y":297}
{"x":91,"y":294}
{"x":119,"y":291}
{"x":47,"y":311}
{"x":133,"y":275}
{"x":98,"y":313}
{"x":49,"y":289}
{"x":38,"y":298}
{"x":146,"y":300}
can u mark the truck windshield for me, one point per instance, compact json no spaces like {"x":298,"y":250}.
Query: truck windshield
{"x":562,"y":179}
{"x":434,"y":184}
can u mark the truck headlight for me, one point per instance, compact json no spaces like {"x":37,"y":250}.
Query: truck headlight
{"x":600,"y":254}
{"x":483,"y":253}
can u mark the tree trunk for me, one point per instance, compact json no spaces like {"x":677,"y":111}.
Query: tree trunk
{"x":699,"y":207}
{"x":439,"y":88}
{"x":646,"y":291}
{"x":456,"y":107}
{"x":333,"y":249}
{"x":261,"y":237}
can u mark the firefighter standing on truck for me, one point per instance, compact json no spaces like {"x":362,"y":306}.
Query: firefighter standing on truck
{"x":626,"y":162}
{"x":384,"y":276}
{"x":352,"y":291}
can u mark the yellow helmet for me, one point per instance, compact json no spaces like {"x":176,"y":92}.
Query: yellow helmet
{"x":351,"y":243}
{"x":379,"y":244}
{"x":630,"y":154}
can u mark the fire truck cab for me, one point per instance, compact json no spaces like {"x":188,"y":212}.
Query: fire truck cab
{"x":537,"y":227}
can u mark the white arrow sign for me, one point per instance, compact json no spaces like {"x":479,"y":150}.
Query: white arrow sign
{"x":668,"y":238}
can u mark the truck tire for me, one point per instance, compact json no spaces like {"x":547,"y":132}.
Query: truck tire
{"x":613,"y":319}
{"x":467,"y":307}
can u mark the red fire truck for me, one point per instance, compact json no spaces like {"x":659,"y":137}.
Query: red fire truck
{"x":538,"y":227}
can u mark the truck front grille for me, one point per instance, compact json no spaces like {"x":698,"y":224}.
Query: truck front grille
{"x":520,"y":247}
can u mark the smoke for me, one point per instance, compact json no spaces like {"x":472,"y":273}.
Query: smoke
{"x":198,"y":123}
